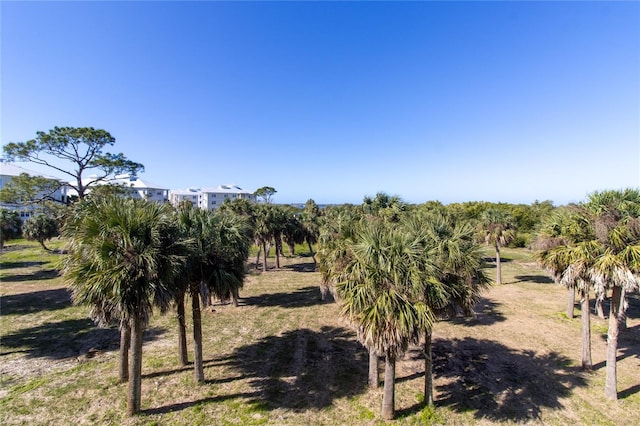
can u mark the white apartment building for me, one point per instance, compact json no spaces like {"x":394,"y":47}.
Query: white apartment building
{"x":176,"y":196}
{"x":204,"y":198}
{"x":9,"y":171}
{"x":135,"y":188}
{"x":209,"y":198}
{"x":141,"y":189}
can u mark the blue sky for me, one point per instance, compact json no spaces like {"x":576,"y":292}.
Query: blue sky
{"x":449,"y":101}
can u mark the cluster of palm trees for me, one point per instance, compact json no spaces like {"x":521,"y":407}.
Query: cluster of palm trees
{"x":127,"y":257}
{"x":595,"y":247}
{"x":395,"y":271}
{"x":275,"y":224}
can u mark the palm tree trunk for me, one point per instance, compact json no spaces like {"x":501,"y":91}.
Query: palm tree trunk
{"x":428,"y":370}
{"x":498,"y":267}
{"x":198,"y":367}
{"x":622,"y":316}
{"x":278,"y":250}
{"x":235,"y":296}
{"x":388,"y":396}
{"x":264,"y":251}
{"x":599,"y":308}
{"x":258,"y":255}
{"x":182,"y":330}
{"x":610,"y":387}
{"x":125,"y":342}
{"x":585,"y":317}
{"x":572,"y":301}
{"x":135,"y":367}
{"x":374,"y":376}
{"x":313,"y":255}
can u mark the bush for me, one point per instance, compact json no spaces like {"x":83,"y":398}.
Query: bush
{"x":40,"y":228}
{"x":10,"y":225}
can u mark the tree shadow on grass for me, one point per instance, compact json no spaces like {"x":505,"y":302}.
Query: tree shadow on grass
{"x":207,"y":363}
{"x":301,"y":267}
{"x":36,"y":301}
{"x":628,"y":392}
{"x":11,"y":265}
{"x":303,"y":297}
{"x":304,"y":369}
{"x":66,"y":339}
{"x":538,"y":279}
{"x":500,"y":383}
{"x":166,"y":409}
{"x":486,"y":313}
{"x":491,"y":261}
{"x":39,"y":275}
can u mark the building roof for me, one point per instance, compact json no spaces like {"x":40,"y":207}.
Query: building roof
{"x":226,"y":189}
{"x":188,"y":191}
{"x":133,"y":182}
{"x":9,"y":169}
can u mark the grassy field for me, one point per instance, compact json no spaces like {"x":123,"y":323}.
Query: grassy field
{"x":284,"y":358}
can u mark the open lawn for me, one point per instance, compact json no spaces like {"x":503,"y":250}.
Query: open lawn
{"x":283,"y":357}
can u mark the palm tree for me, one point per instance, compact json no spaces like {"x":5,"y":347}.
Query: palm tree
{"x":215,"y":265}
{"x":277,"y":224}
{"x":335,"y":236}
{"x":453,"y":278}
{"x":377,"y":289}
{"x":262,"y":232}
{"x":565,"y":250}
{"x":499,"y":231}
{"x":227,"y":259}
{"x":617,"y":232}
{"x":122,"y":261}
{"x":310,"y":220}
{"x":609,"y":260}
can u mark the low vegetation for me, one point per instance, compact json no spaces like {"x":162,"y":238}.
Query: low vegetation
{"x":284,"y":357}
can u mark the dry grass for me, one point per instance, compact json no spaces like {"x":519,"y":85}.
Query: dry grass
{"x":283,"y":357}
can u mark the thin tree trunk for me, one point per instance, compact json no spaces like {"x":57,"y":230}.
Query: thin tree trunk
{"x":135,"y":367}
{"x":198,"y":367}
{"x":43,"y":246}
{"x":585,"y":317}
{"x":388,"y":396}
{"x":235,"y":296}
{"x":182,"y":330}
{"x":258,"y":255}
{"x":428,"y":370}
{"x":599,"y":308}
{"x":498,"y":266}
{"x":313,"y":255}
{"x":278,"y":241}
{"x":292,"y":249}
{"x":264,"y":251}
{"x":572,"y":301}
{"x":125,"y":342}
{"x":374,"y":375}
{"x":610,"y":387}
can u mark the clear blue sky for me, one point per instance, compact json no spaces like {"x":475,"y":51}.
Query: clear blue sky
{"x":452,"y":101}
